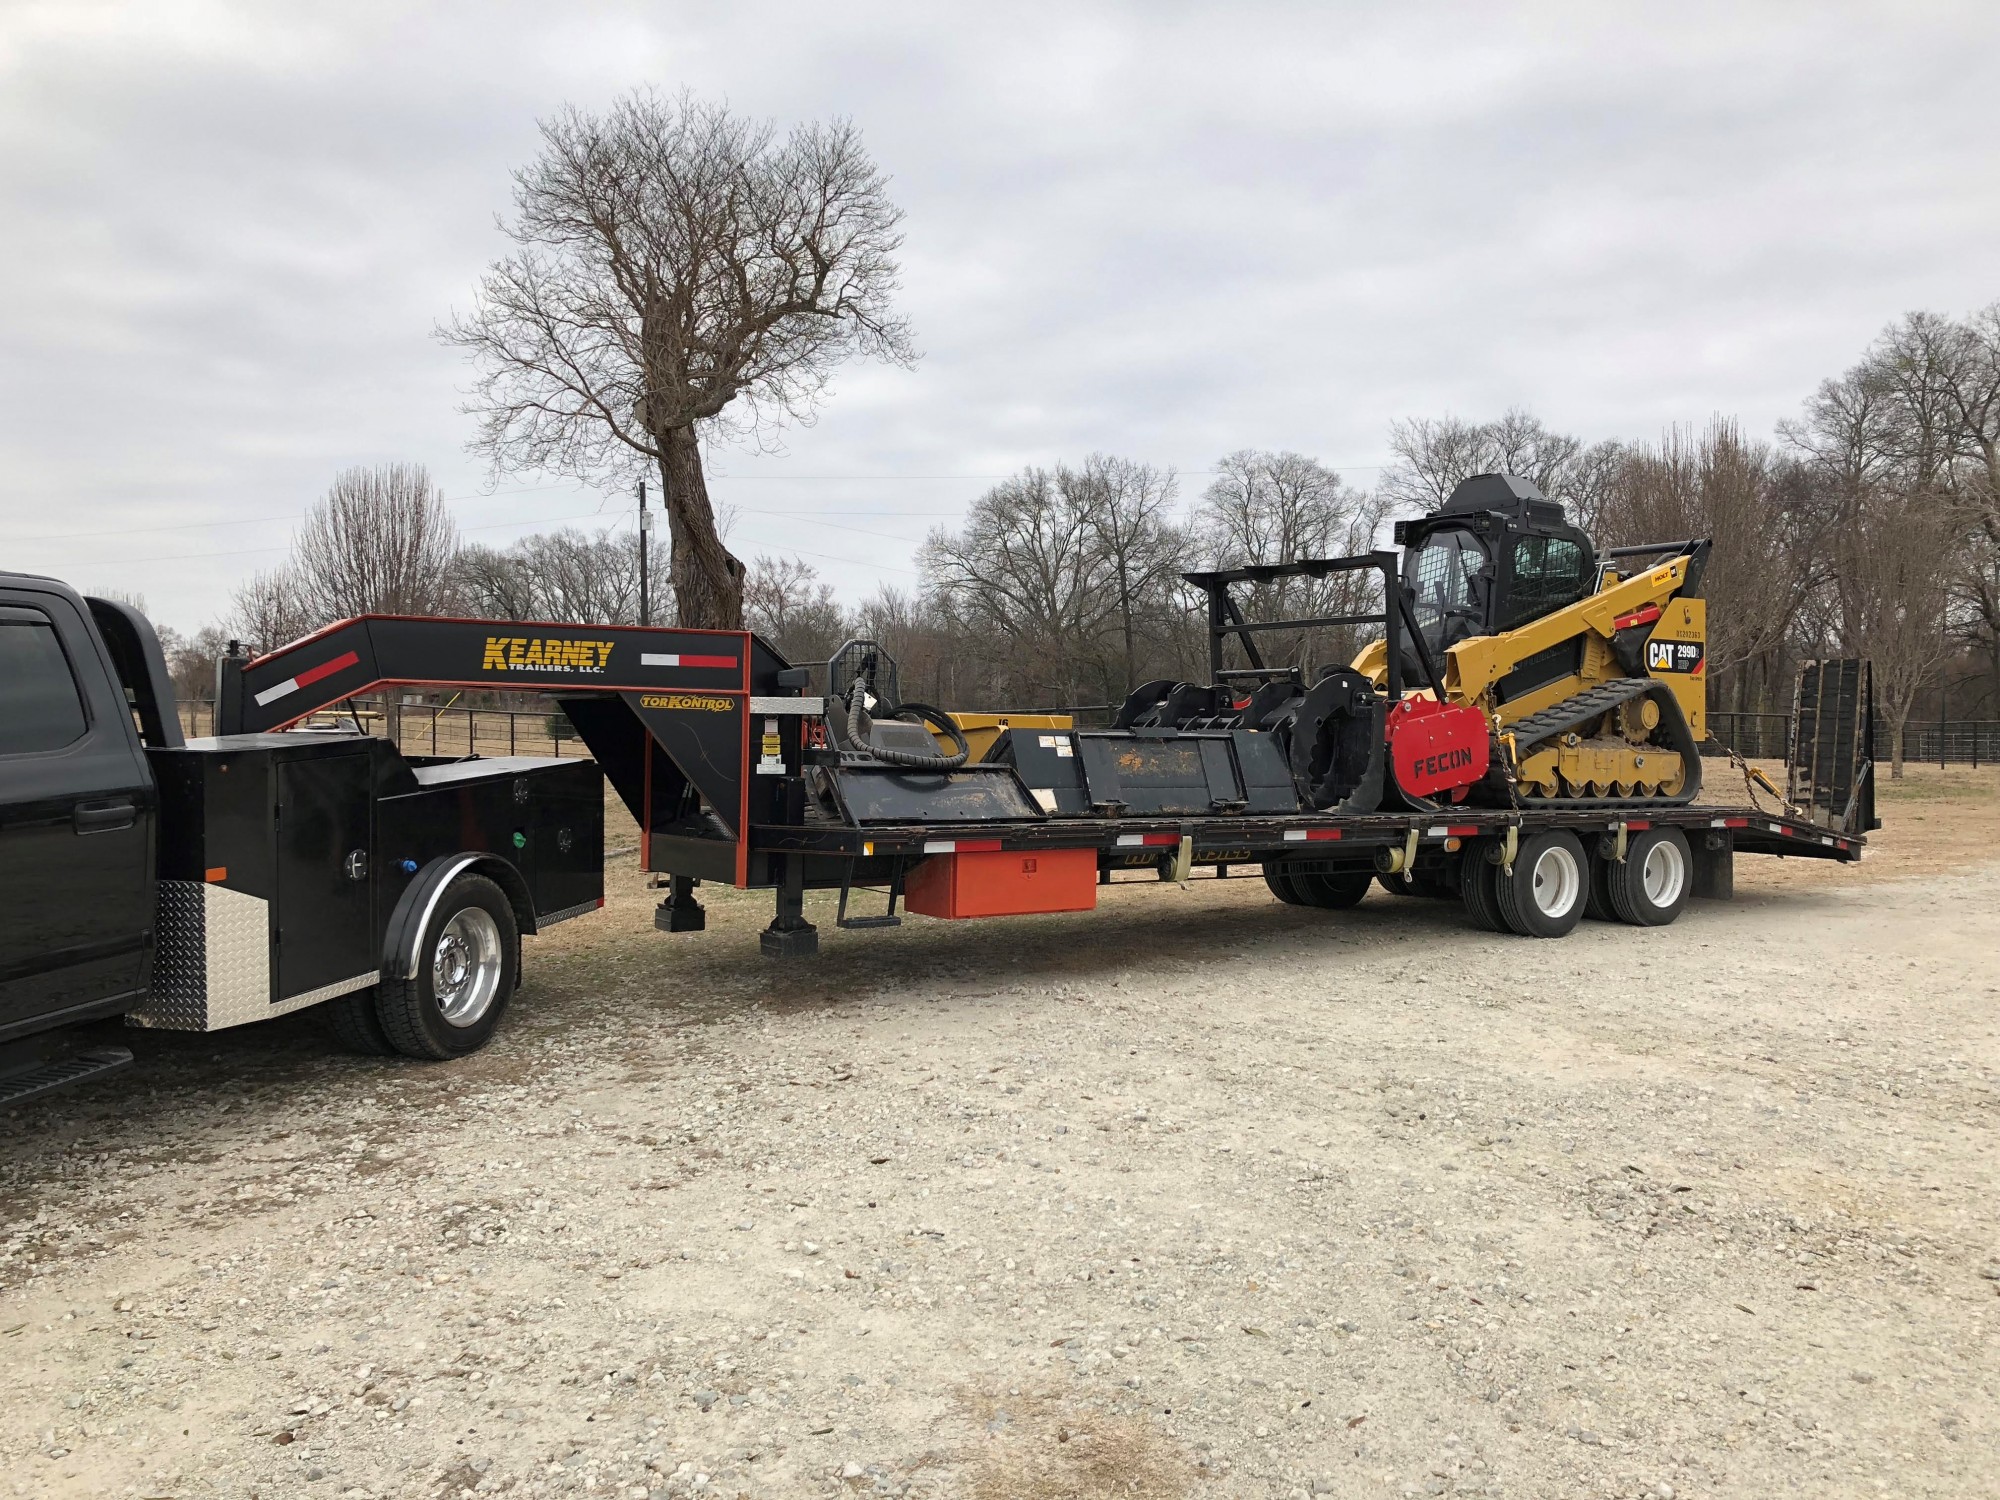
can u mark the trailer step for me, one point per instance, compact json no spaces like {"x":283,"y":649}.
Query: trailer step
{"x":78,"y":1067}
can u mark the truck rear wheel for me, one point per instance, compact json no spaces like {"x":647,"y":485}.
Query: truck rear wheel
{"x":1544,"y":895}
{"x":357,"y":1024}
{"x":1651,"y":886}
{"x":468,"y":962}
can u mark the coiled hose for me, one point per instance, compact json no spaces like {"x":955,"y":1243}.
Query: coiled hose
{"x":859,"y":724}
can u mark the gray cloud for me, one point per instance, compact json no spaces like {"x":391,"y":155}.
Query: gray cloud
{"x":1167,"y":231}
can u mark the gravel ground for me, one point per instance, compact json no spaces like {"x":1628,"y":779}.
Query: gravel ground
{"x":1200,"y":1195}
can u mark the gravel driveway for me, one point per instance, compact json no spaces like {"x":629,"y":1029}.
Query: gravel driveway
{"x":1200,"y":1195}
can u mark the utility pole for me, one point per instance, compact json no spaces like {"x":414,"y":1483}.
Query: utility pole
{"x":645,"y":535}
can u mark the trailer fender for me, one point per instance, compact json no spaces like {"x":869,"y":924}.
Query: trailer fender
{"x":405,"y":929}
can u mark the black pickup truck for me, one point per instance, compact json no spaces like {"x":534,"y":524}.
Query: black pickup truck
{"x":194,"y":884}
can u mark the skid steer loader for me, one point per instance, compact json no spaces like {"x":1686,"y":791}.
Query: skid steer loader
{"x":1589,"y":674}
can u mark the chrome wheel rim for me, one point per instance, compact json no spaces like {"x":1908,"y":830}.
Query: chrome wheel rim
{"x":1557,"y":882}
{"x":1663,"y":873}
{"x":466,"y":965}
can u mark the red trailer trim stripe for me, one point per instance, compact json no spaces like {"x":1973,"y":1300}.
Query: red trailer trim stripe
{"x":683,"y":659}
{"x":1316,"y":835}
{"x":308,"y":677}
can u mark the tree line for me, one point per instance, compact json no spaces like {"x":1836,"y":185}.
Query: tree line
{"x":1867,"y":525}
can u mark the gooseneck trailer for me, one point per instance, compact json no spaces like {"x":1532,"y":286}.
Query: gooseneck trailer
{"x":737,"y":774}
{"x":1535,"y":764}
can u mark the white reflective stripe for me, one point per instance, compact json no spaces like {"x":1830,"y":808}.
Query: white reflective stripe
{"x":273,"y":694}
{"x":939,"y":846}
{"x":1295,"y":833}
{"x":659,"y":659}
{"x":1139,"y":838}
{"x":788,"y":705}
{"x":1718,"y":822}
{"x":1437,"y":833}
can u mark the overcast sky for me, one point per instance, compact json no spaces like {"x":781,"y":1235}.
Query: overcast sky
{"x":1159,"y":230}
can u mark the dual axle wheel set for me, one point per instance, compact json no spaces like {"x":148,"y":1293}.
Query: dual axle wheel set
{"x":1552,"y":882}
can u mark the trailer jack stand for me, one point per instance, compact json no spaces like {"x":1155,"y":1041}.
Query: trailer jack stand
{"x":680,"y":912}
{"x":790,"y":935}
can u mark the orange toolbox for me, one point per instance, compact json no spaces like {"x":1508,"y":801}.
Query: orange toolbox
{"x":1003,"y":883}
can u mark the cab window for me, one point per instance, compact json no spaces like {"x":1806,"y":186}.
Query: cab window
{"x":1548,"y":574}
{"x":40,"y":708}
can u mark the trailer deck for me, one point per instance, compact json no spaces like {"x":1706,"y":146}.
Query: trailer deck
{"x":736,"y":774}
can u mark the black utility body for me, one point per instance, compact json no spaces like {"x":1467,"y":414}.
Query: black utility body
{"x":195,"y":884}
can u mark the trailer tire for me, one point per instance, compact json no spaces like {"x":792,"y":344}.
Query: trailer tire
{"x":1430,"y":883}
{"x":1478,"y":888}
{"x":357,"y":1024}
{"x":1334,"y":892}
{"x":1597,"y":905}
{"x":1544,"y":896}
{"x":468,"y":963}
{"x":1651,"y":886}
{"x":1280,"y":882}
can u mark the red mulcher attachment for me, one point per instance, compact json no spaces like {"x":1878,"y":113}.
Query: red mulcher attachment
{"x":1437,"y":750}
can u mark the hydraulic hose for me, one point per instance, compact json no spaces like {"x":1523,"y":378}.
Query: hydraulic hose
{"x":859,"y":724}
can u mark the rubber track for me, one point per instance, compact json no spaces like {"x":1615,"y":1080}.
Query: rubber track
{"x":1593,"y":703}
{"x":1530,"y":733}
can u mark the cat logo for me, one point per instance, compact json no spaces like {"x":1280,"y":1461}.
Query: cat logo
{"x":1673,"y":656}
{"x":519,"y":653}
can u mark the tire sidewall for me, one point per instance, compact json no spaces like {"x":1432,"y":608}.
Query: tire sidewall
{"x":1515,"y":891}
{"x":1280,"y":881}
{"x":1335,"y":892}
{"x":421,"y":1005}
{"x":1478,"y":888}
{"x":1627,"y":881}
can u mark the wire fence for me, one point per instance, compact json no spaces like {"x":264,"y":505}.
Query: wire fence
{"x":447,"y":729}
{"x":1762,"y":736}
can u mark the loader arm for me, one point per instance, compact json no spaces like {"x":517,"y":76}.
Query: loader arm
{"x":1486,"y":670}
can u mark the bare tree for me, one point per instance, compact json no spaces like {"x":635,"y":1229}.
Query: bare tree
{"x":1282,"y":508}
{"x":1920,"y":414}
{"x":380,"y":542}
{"x":1434,"y":455}
{"x":786,"y":602}
{"x":271,"y":609}
{"x":568,"y":576}
{"x":1127,"y":508}
{"x":679,"y":268}
{"x":1064,"y":578}
{"x":1765,"y":527}
{"x":1896,"y":556}
{"x":1024,"y":572}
